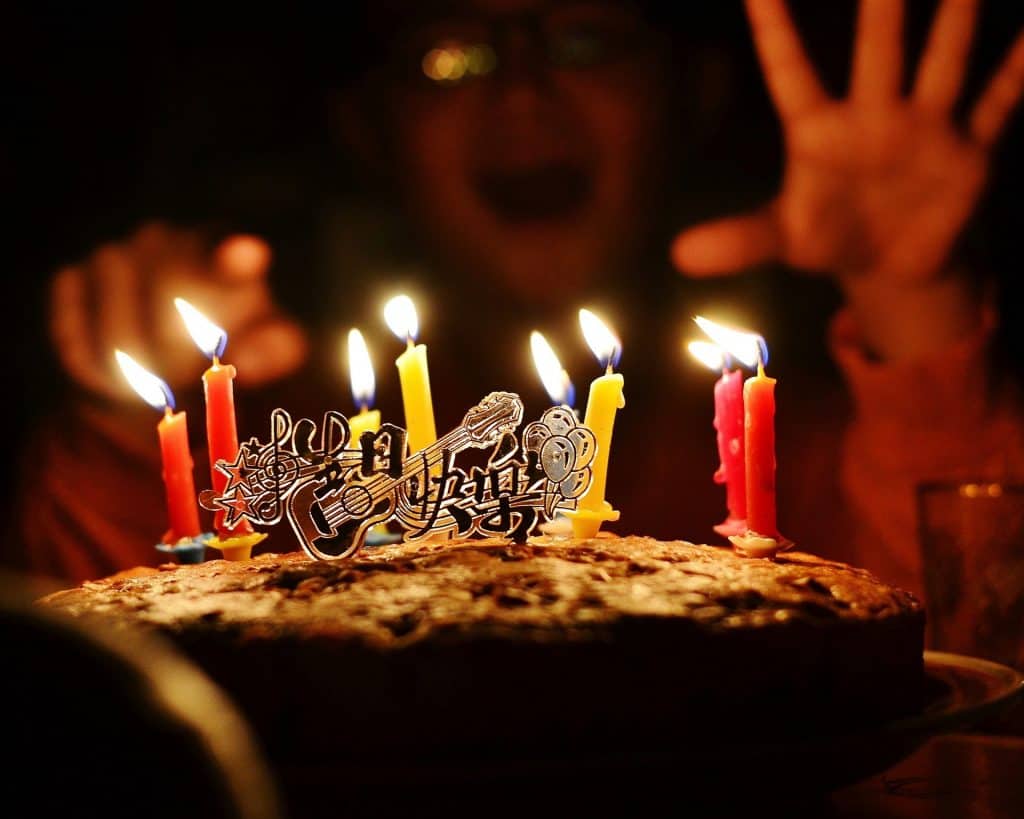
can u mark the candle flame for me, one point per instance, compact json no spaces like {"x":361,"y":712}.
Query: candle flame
{"x":707,"y":353}
{"x":601,"y":340}
{"x":153,"y":390}
{"x":210,"y":338}
{"x":360,"y":370}
{"x":400,"y":314}
{"x":555,"y":379}
{"x":748,"y":348}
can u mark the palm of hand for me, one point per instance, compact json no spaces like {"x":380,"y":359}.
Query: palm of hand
{"x":883,"y":191}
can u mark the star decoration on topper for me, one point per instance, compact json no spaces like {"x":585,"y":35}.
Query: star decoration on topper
{"x":242,"y":487}
{"x":238,"y":505}
{"x":241,"y":471}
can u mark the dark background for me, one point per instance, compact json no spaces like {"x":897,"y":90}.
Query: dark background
{"x":113,"y":118}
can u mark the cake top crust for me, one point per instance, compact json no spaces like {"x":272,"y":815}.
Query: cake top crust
{"x":544,"y":589}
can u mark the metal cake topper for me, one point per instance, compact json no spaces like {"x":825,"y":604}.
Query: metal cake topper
{"x":332,"y":495}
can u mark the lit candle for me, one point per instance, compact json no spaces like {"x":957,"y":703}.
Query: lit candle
{"x":218,"y":385}
{"x":761,"y":538}
{"x":360,"y":370}
{"x":182,"y":508}
{"x":400,"y":315}
{"x":605,"y":399}
{"x":759,"y":440}
{"x":728,"y":423}
{"x":555,"y":379}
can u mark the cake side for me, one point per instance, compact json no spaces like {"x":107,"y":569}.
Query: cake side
{"x":486,"y":646}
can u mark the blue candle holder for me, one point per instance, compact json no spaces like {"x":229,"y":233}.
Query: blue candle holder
{"x":380,"y":536}
{"x":187,"y":550}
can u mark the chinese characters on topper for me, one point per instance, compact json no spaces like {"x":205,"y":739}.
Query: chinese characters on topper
{"x":333,"y":491}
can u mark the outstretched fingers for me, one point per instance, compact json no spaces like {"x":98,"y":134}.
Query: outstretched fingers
{"x":878,"y":53}
{"x":1002,"y":94}
{"x":242,"y":258}
{"x":727,"y":246}
{"x":789,"y":75}
{"x":940,"y":75}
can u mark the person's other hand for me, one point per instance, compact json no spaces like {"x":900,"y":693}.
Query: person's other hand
{"x":877,"y":187}
{"x":122,"y":297}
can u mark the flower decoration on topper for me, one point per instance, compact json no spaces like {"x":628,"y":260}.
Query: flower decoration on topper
{"x":234,"y":536}
{"x":562,"y":393}
{"x":184,"y":538}
{"x":745,"y":423}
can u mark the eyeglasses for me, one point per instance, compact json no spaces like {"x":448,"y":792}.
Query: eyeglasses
{"x":456,"y":51}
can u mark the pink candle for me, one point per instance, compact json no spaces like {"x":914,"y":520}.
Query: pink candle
{"x":731,"y":469}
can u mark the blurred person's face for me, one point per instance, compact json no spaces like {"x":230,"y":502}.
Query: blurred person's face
{"x":526,"y":138}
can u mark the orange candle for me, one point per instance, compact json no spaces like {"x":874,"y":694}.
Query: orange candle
{"x":182,"y":509}
{"x":176,"y":458}
{"x":218,"y":387}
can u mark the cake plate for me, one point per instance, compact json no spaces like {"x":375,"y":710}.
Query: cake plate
{"x":962,"y":693}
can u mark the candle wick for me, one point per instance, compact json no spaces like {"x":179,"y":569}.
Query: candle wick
{"x":609,"y":369}
{"x":167,"y":411}
{"x":216,"y":360}
{"x":364,"y":407}
{"x":409,"y":342}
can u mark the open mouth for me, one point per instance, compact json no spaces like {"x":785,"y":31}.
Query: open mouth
{"x":543,"y":193}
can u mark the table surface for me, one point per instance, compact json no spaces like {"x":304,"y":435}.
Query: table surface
{"x":951,"y":776}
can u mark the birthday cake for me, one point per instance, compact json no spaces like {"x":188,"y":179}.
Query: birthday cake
{"x":484,"y":649}
{"x":448,"y":654}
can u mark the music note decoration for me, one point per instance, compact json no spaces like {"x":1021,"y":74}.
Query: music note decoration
{"x":332,"y":495}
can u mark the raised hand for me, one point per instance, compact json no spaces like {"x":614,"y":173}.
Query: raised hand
{"x":122,"y":296}
{"x":877,"y":187}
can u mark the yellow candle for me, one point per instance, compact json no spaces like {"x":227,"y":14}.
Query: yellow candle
{"x":413,"y":374}
{"x":366,"y":421}
{"x":605,"y":400}
{"x":364,"y":385}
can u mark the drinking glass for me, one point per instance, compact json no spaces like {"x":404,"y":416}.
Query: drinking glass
{"x":972,"y":548}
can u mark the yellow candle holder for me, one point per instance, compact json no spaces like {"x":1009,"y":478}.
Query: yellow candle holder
{"x":237,"y":547}
{"x":586,"y":523}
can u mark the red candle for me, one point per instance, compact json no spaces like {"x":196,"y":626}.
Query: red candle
{"x":182,"y":509}
{"x":221,"y":435}
{"x":731,"y":471}
{"x":759,"y":439}
{"x":218,"y":385}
